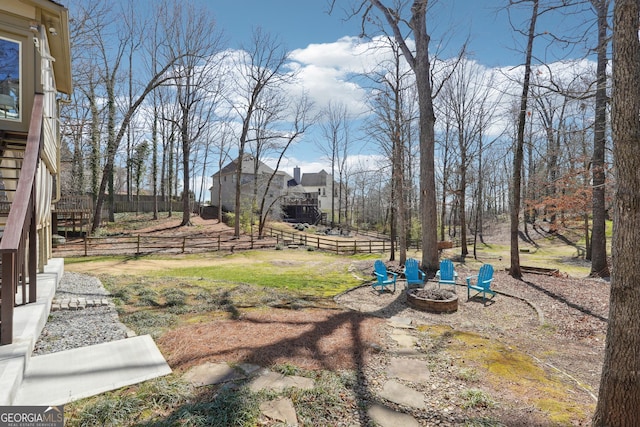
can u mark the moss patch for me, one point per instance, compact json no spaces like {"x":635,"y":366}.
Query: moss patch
{"x":508,"y":369}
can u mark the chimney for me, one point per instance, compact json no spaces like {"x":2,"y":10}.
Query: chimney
{"x":296,"y":174}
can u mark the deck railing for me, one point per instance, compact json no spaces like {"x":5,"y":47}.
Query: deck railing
{"x":18,"y":247}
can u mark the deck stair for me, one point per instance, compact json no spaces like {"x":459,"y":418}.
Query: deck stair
{"x":19,"y":159}
{"x":12,"y":147}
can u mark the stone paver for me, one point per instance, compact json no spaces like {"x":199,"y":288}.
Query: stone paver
{"x":402,"y":395}
{"x":401,"y":322}
{"x":248,"y":368}
{"x":387,"y":417}
{"x":280,"y":410}
{"x":406,"y":343}
{"x":413,"y":370}
{"x":278,"y":382}
{"x":78,"y":303}
{"x":211,"y":373}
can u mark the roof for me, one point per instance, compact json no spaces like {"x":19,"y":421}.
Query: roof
{"x":248,"y":168}
{"x":55,"y":17}
{"x":315,"y":179}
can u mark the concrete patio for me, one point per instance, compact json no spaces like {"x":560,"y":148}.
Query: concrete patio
{"x":62,"y":377}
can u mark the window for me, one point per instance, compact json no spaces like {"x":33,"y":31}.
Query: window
{"x":10,"y":88}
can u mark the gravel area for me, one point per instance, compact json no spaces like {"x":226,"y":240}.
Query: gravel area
{"x":67,"y":329}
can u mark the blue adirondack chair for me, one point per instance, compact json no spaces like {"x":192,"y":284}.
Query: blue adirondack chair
{"x":482,"y":282}
{"x":384,"y":278}
{"x":447,"y":274}
{"x":413,"y":274}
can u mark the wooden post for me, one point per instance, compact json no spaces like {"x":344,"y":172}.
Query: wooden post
{"x":138,"y":246}
{"x":184,"y":243}
{"x":7,"y":293}
{"x":85,"y":245}
{"x":218,"y":243}
{"x":33,"y":255}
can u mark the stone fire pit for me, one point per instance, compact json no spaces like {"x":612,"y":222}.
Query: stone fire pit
{"x":433,"y":300}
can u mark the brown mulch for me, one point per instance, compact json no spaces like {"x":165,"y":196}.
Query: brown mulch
{"x":309,"y":339}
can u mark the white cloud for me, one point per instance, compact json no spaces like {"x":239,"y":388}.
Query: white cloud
{"x":334,"y":71}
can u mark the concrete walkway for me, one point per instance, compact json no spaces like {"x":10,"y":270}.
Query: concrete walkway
{"x":62,"y":377}
{"x":58,"y":378}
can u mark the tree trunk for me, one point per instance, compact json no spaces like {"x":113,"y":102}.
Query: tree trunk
{"x":514,"y":269}
{"x":619,"y":395}
{"x":154,"y":163}
{"x":479,"y":201}
{"x":421,"y":66}
{"x":186,"y":150}
{"x":422,"y":69}
{"x":464,"y":250}
{"x":599,"y":266}
{"x":445,"y":179}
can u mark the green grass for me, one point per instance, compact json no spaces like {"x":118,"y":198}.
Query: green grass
{"x":297,"y":278}
{"x":307,"y":273}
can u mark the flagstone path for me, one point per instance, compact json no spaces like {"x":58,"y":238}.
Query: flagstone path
{"x":405,"y":364}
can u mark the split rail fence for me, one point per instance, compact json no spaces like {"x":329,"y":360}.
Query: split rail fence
{"x":141,"y":244}
{"x":273,"y":238}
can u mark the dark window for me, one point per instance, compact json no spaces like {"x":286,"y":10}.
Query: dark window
{"x":9,"y":79}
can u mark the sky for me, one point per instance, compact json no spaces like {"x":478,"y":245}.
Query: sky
{"x":301,"y":23}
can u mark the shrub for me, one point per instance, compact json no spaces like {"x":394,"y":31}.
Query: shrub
{"x":474,"y":398}
{"x":174,"y":296}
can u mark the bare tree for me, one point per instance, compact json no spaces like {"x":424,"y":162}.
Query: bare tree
{"x":619,"y":394}
{"x":335,"y":140}
{"x":599,"y":265}
{"x":259,"y":67}
{"x":223,"y":144}
{"x":466,"y":97}
{"x":197,"y":82}
{"x":281,"y":140}
{"x":418,"y":59}
{"x":515,"y":270}
{"x":391,"y":128}
{"x":109,"y":57}
{"x":168,"y":113}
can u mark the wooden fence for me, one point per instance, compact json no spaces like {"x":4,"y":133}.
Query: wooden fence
{"x":342,"y":245}
{"x":144,"y":245}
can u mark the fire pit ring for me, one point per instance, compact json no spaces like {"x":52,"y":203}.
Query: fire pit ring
{"x":433,"y":300}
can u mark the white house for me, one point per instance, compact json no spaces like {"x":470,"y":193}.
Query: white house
{"x":223,"y":189}
{"x":304,"y":198}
